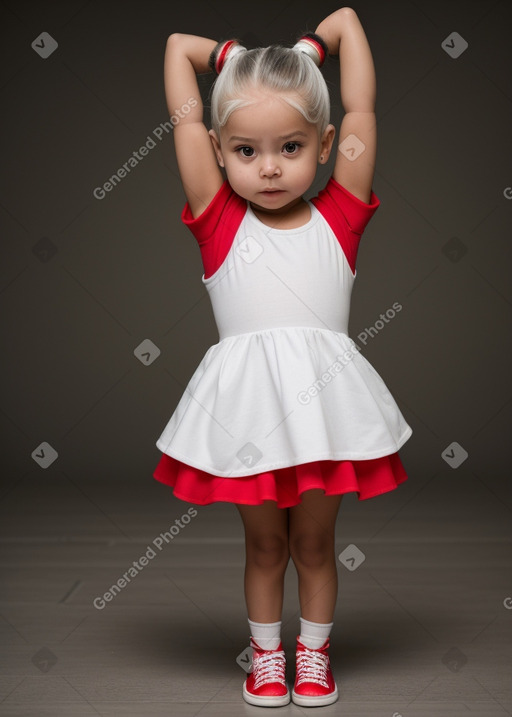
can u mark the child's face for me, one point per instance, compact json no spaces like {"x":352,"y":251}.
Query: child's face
{"x":264,"y":159}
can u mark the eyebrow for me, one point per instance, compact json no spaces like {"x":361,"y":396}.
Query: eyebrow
{"x":250,"y":139}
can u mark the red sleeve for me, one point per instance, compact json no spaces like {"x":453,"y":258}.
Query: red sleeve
{"x":346,"y":215}
{"x":216,"y":226}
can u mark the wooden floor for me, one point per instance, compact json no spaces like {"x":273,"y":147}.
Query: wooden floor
{"x":422,"y":626}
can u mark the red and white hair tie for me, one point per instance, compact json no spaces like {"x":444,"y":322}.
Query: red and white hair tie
{"x":222,"y":52}
{"x":313,"y":45}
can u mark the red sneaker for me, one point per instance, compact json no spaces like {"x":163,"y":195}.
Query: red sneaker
{"x":314,"y":683}
{"x":266,"y":684}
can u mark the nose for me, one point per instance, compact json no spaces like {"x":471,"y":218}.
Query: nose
{"x":269,"y":166}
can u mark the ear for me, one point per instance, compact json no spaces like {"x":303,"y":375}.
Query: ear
{"x":216,"y":146}
{"x":326,"y":141}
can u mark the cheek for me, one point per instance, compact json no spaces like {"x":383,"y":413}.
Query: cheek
{"x":307,"y":177}
{"x":238,"y":171}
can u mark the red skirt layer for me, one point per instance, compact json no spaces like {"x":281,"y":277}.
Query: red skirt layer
{"x":285,"y":486}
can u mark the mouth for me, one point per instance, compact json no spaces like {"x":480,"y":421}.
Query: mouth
{"x":269,"y":192}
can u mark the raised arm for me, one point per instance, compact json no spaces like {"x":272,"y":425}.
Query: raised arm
{"x":355,"y":162}
{"x":186,"y":56}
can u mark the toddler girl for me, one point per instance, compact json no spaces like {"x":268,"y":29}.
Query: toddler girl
{"x":283,"y":415}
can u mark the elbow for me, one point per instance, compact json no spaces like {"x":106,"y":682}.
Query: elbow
{"x":347,"y":12}
{"x":174,"y":38}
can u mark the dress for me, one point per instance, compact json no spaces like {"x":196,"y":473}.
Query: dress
{"x":285,"y":401}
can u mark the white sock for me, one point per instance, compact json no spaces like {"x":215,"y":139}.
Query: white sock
{"x":314,"y":634}
{"x":266,"y":634}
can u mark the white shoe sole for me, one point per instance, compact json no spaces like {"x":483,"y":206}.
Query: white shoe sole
{"x":262,"y":701}
{"x":310,"y":701}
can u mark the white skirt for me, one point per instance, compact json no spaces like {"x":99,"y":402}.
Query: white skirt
{"x":279,"y":397}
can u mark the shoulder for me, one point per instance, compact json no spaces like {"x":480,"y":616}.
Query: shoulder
{"x":224,"y":212}
{"x":338,"y":204}
{"x":346,"y":215}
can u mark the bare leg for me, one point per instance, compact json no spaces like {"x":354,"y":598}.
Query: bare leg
{"x":311,"y":540}
{"x":266,"y":558}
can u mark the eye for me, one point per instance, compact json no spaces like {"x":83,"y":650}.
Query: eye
{"x":241,"y":150}
{"x":292,"y":145}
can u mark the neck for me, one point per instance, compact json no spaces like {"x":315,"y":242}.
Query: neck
{"x":289,"y":209}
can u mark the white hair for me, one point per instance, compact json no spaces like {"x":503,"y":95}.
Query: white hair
{"x":276,"y":68}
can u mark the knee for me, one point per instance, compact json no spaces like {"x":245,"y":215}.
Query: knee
{"x":311,"y":550}
{"x":268,"y":551}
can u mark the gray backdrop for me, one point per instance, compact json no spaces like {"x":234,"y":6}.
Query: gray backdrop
{"x":88,"y":285}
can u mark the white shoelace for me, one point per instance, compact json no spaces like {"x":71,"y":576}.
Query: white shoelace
{"x":312,"y":667}
{"x":269,"y":667}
